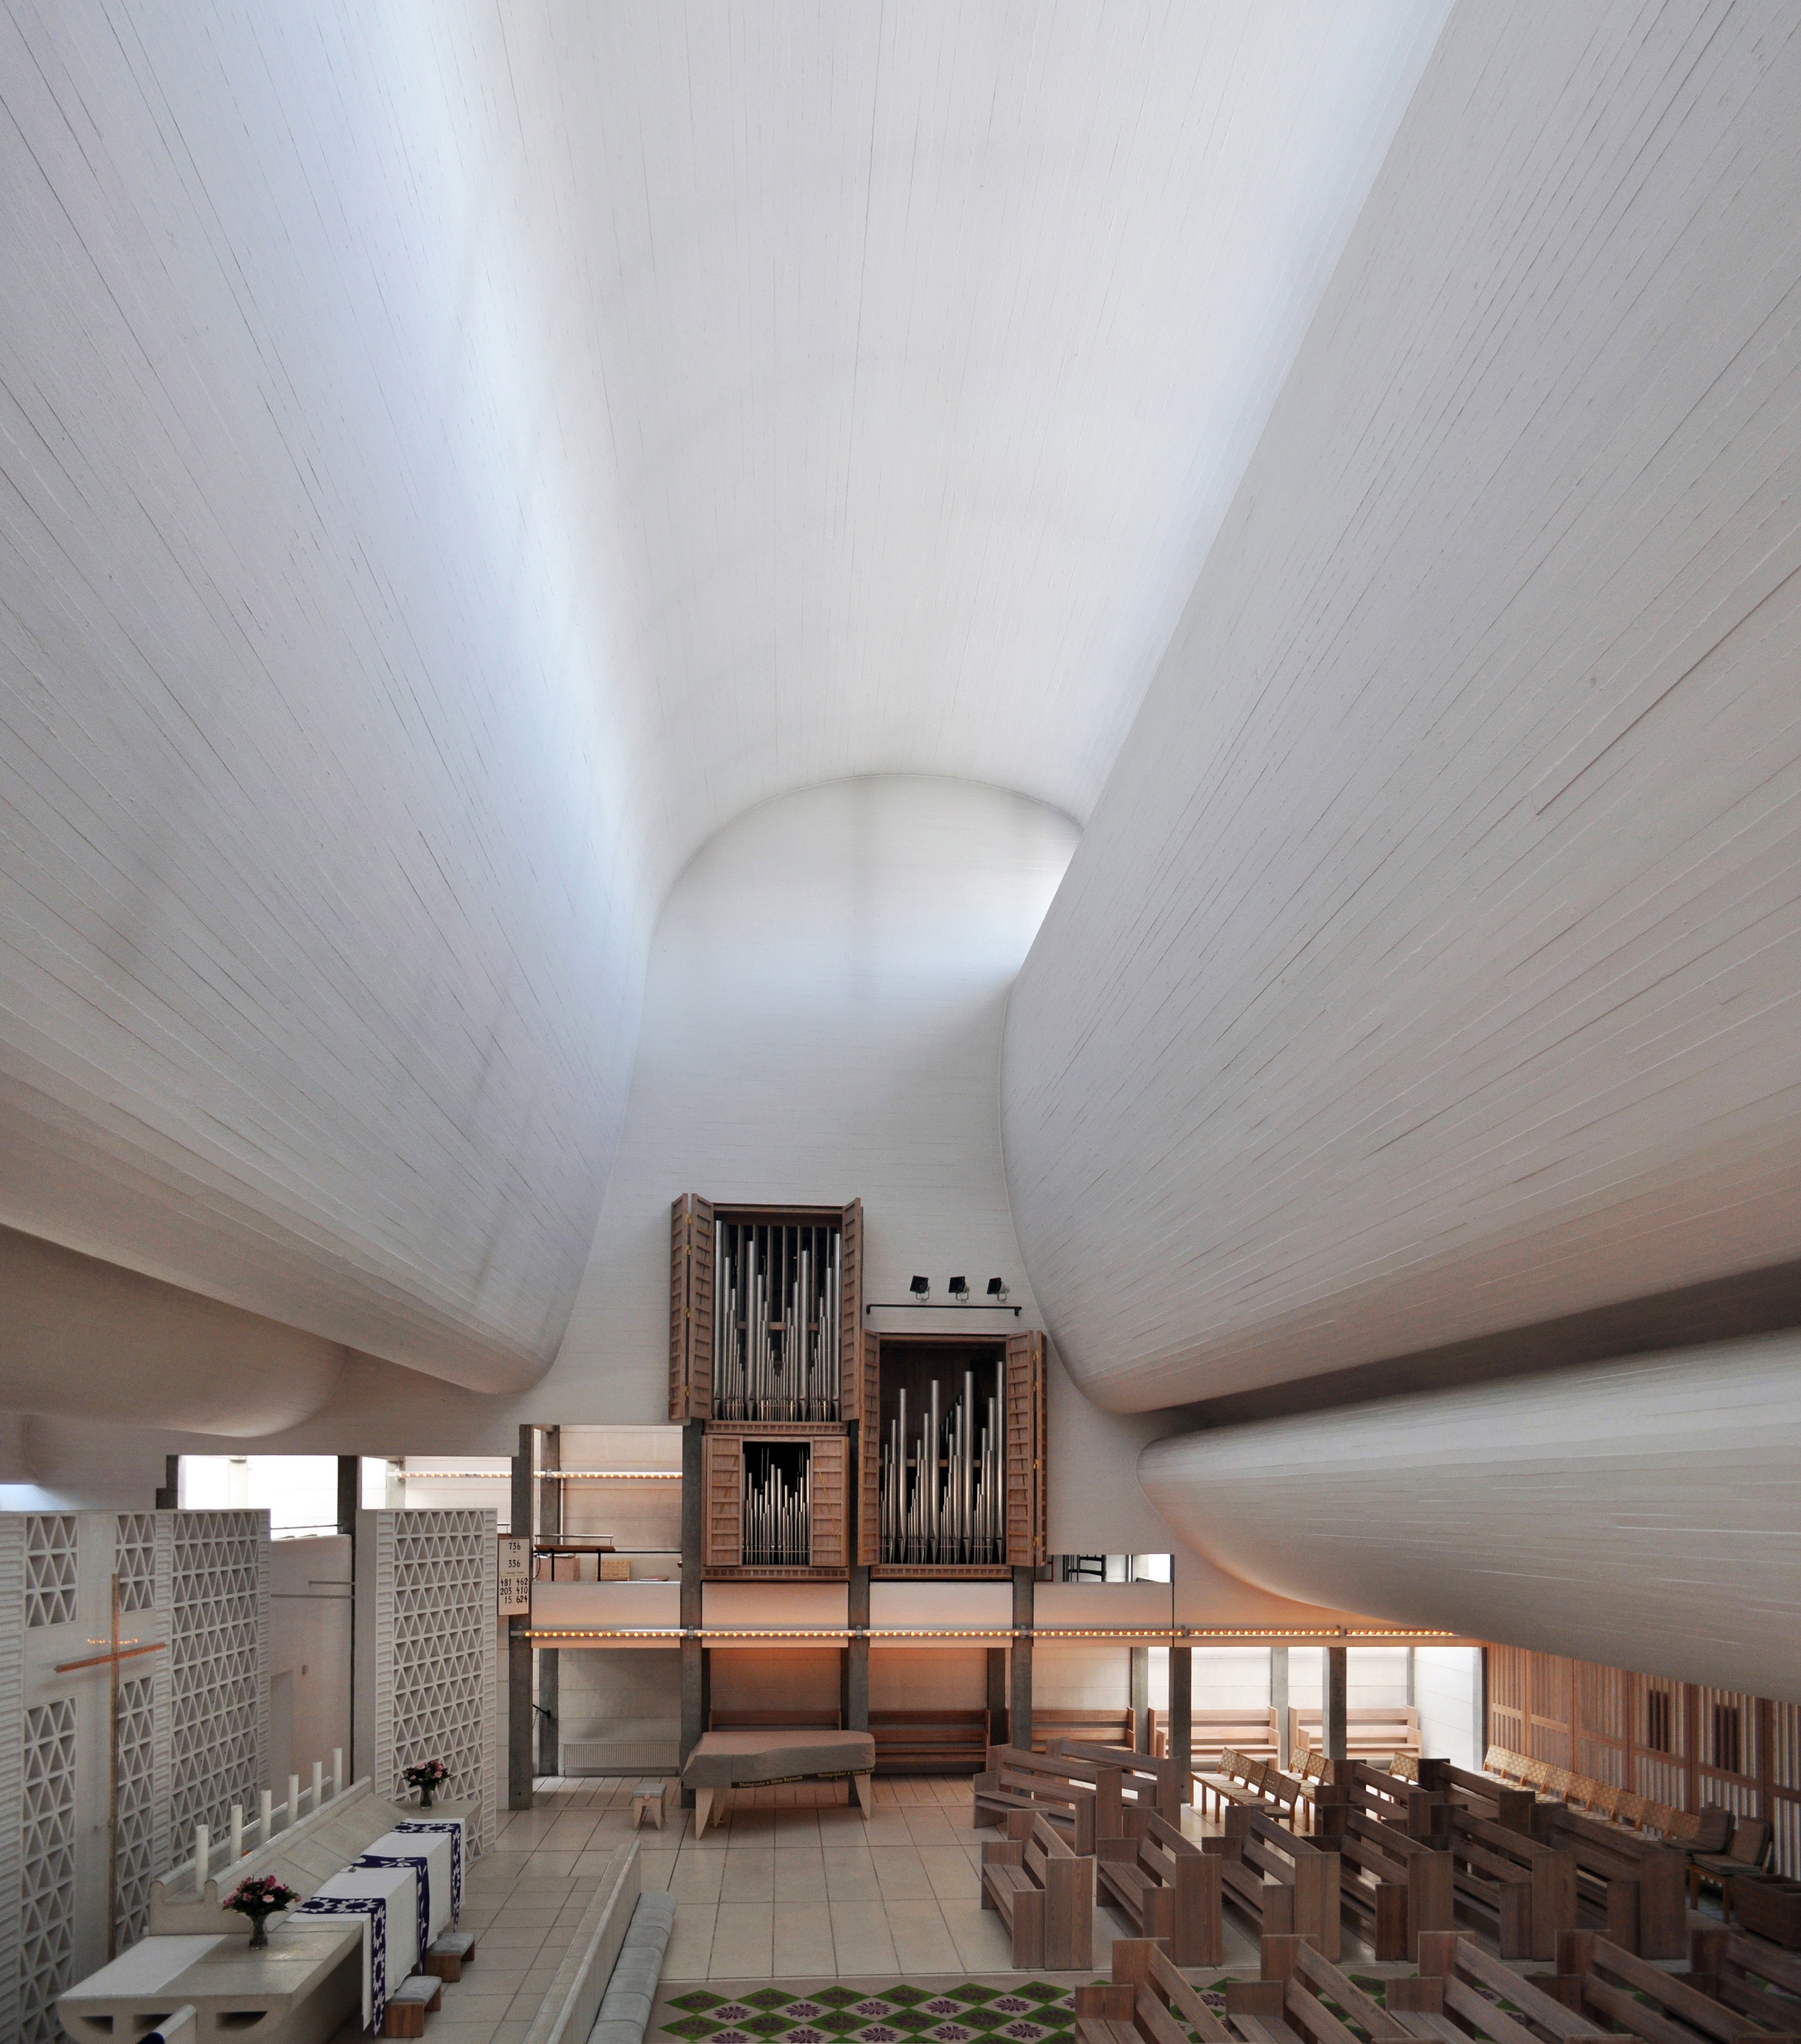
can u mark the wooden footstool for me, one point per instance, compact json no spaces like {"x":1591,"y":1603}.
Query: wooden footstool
{"x":647,"y":1801}
{"x":445,"y":1956}
{"x":410,"y":2003}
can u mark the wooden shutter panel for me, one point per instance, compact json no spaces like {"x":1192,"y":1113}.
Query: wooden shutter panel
{"x":701,"y":1242}
{"x":678,"y":1311}
{"x":722,"y":1483}
{"x":1027,"y":1515}
{"x":869,"y":1460}
{"x":829,"y":1543}
{"x":690,"y":1308}
{"x":850,"y":1309}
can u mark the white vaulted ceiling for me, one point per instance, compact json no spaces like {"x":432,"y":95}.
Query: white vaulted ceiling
{"x":454,"y":459}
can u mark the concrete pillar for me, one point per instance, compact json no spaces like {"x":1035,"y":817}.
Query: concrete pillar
{"x":1020,"y":1710}
{"x":549,"y":1701}
{"x":856,"y":1699}
{"x":1139,"y":1680}
{"x":1412,"y":1690}
{"x":1336,"y":1678}
{"x":997,"y":1697}
{"x":1181,"y":1707}
{"x":1279,"y":1700}
{"x":694,"y":1685}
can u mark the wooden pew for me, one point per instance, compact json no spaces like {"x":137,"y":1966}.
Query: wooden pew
{"x":1145,"y":1781}
{"x":1044,"y":1893}
{"x":1165,"y":1886}
{"x":930,"y":1741}
{"x":1615,"y":1984}
{"x":1733,"y":1970}
{"x":1147,"y":2001}
{"x":1287,"y":1884}
{"x":1635,"y":1882}
{"x":1306,"y":1981}
{"x":1106,"y":1728}
{"x":1521,"y":1887}
{"x":1081,"y":1798}
{"x":1371,"y":1733}
{"x":1397,"y":1868}
{"x":1453,"y":1959}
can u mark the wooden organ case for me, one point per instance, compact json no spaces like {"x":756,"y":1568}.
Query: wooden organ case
{"x":827,"y":1446}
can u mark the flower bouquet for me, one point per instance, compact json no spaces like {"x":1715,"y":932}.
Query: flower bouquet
{"x":260,"y":1896}
{"x":426,"y":1777}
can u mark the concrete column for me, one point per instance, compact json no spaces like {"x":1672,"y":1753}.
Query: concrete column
{"x":1279,"y":1700}
{"x":1140,"y":1680}
{"x":1181,"y":1707}
{"x":856,"y":1655}
{"x":997,"y":1697}
{"x":1412,"y":1690}
{"x":1019,"y":1708}
{"x":1334,"y":1728}
{"x":693,"y":1687}
{"x":169,"y":1494}
{"x":550,"y":1521}
{"x":518,"y":1647}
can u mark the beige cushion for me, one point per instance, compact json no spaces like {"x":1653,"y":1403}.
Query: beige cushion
{"x":776,"y":1753}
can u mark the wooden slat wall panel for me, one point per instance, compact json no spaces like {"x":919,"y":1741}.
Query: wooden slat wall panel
{"x":1026,"y":1516}
{"x":678,"y":1310}
{"x":1603,"y":1717}
{"x":723,"y":1476}
{"x":869,"y":1538}
{"x":701,"y":1247}
{"x":830,"y":1462}
{"x":851,"y":1310}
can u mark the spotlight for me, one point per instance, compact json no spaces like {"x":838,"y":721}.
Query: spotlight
{"x":959,"y":1288}
{"x":920,"y":1287}
{"x":997,"y":1291}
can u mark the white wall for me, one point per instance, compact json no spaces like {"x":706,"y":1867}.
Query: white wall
{"x":1427,"y":965}
{"x":822,"y":1021}
{"x":309,"y":1641}
{"x":1448,"y":1689}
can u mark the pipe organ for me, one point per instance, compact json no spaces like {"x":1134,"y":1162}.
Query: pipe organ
{"x":827,"y":1446}
{"x":777,"y":1321}
{"x":941,"y":1481}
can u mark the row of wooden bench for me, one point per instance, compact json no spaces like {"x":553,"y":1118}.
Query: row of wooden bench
{"x":1733,"y":1993}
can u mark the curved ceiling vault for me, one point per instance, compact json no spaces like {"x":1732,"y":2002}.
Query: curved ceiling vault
{"x":1428,"y":966}
{"x":452,"y":459}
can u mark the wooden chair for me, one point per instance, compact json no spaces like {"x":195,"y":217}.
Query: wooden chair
{"x":1044,"y":1893}
{"x":1165,"y":1886}
{"x":1747,"y":1849}
{"x":1237,"y":1780}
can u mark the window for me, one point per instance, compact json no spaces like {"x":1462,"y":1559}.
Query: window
{"x":1657,"y":1720}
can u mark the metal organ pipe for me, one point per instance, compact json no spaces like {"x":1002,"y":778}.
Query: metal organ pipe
{"x":777,"y":1336}
{"x":941,"y":1490}
{"x":777,"y":1524}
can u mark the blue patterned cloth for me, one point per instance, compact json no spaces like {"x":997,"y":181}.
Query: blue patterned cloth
{"x":421,"y":1887}
{"x":375,"y":1909}
{"x":454,"y":1826}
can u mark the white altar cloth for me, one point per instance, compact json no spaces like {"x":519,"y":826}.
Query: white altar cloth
{"x":434,"y":1849}
{"x":387,"y":1958}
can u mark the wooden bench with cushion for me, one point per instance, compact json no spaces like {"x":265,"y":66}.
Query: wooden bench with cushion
{"x":1616,"y":1985}
{"x":1457,"y":1994}
{"x":1165,"y":1886}
{"x":1285,"y":1883}
{"x":1080,"y":1798}
{"x":930,"y":1741}
{"x":1044,"y":1892}
{"x":1746,"y":1851}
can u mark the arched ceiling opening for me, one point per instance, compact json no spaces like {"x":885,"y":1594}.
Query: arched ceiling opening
{"x":452,"y":459}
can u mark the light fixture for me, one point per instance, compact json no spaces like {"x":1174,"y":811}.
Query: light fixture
{"x":997,"y":1291}
{"x":960,"y":1288}
{"x":920,"y":1287}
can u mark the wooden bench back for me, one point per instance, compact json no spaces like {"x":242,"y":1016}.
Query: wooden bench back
{"x":1683,"y":1826}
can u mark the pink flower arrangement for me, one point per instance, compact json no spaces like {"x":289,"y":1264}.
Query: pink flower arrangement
{"x":428,"y":1775}
{"x":258,"y":1896}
